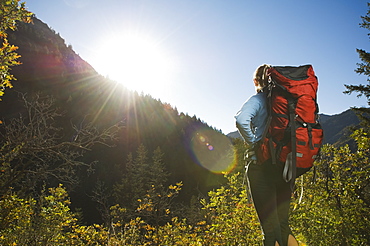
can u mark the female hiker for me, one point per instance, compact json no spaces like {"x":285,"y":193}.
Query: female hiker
{"x":271,"y":194}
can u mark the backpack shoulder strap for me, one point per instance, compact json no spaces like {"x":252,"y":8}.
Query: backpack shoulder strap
{"x":269,"y":88}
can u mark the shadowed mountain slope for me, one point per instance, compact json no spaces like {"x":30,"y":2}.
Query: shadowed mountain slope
{"x":192,"y":149}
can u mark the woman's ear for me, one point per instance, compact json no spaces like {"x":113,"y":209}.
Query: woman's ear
{"x":255,"y":82}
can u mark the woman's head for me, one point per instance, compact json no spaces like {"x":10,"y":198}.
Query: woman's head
{"x":260,"y":77}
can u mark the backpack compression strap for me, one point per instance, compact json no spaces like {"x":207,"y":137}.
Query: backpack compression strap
{"x":290,"y":169}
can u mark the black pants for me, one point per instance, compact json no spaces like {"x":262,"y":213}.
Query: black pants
{"x":271,"y":197}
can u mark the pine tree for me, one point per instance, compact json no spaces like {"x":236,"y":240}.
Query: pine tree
{"x":364,"y":69}
{"x":143,"y":175}
{"x":158,"y":175}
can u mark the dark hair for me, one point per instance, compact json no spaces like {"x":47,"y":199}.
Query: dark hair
{"x":261,"y":76}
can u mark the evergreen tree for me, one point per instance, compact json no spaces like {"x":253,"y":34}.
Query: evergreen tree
{"x":364,"y":69}
{"x":143,"y":178}
{"x":158,"y":175}
{"x":140,"y":173}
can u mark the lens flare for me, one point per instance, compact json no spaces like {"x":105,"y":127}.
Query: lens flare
{"x":210,"y":149}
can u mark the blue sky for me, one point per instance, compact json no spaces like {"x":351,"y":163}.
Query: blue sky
{"x":213,"y":47}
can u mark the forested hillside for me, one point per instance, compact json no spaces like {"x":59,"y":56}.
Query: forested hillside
{"x":84,"y":161}
{"x":191,"y":149}
{"x":338,"y":128}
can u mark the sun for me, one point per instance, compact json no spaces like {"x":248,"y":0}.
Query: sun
{"x":137,"y":62}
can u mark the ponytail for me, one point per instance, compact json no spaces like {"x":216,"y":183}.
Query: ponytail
{"x":262,"y":77}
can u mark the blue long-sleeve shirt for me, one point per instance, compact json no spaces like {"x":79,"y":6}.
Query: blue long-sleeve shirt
{"x":252,"y":117}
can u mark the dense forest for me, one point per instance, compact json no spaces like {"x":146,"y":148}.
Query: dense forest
{"x":85,"y":161}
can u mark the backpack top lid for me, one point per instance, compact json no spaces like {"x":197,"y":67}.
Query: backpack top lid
{"x":293,"y":78}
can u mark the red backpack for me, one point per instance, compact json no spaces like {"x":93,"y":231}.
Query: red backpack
{"x":293,"y":135}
